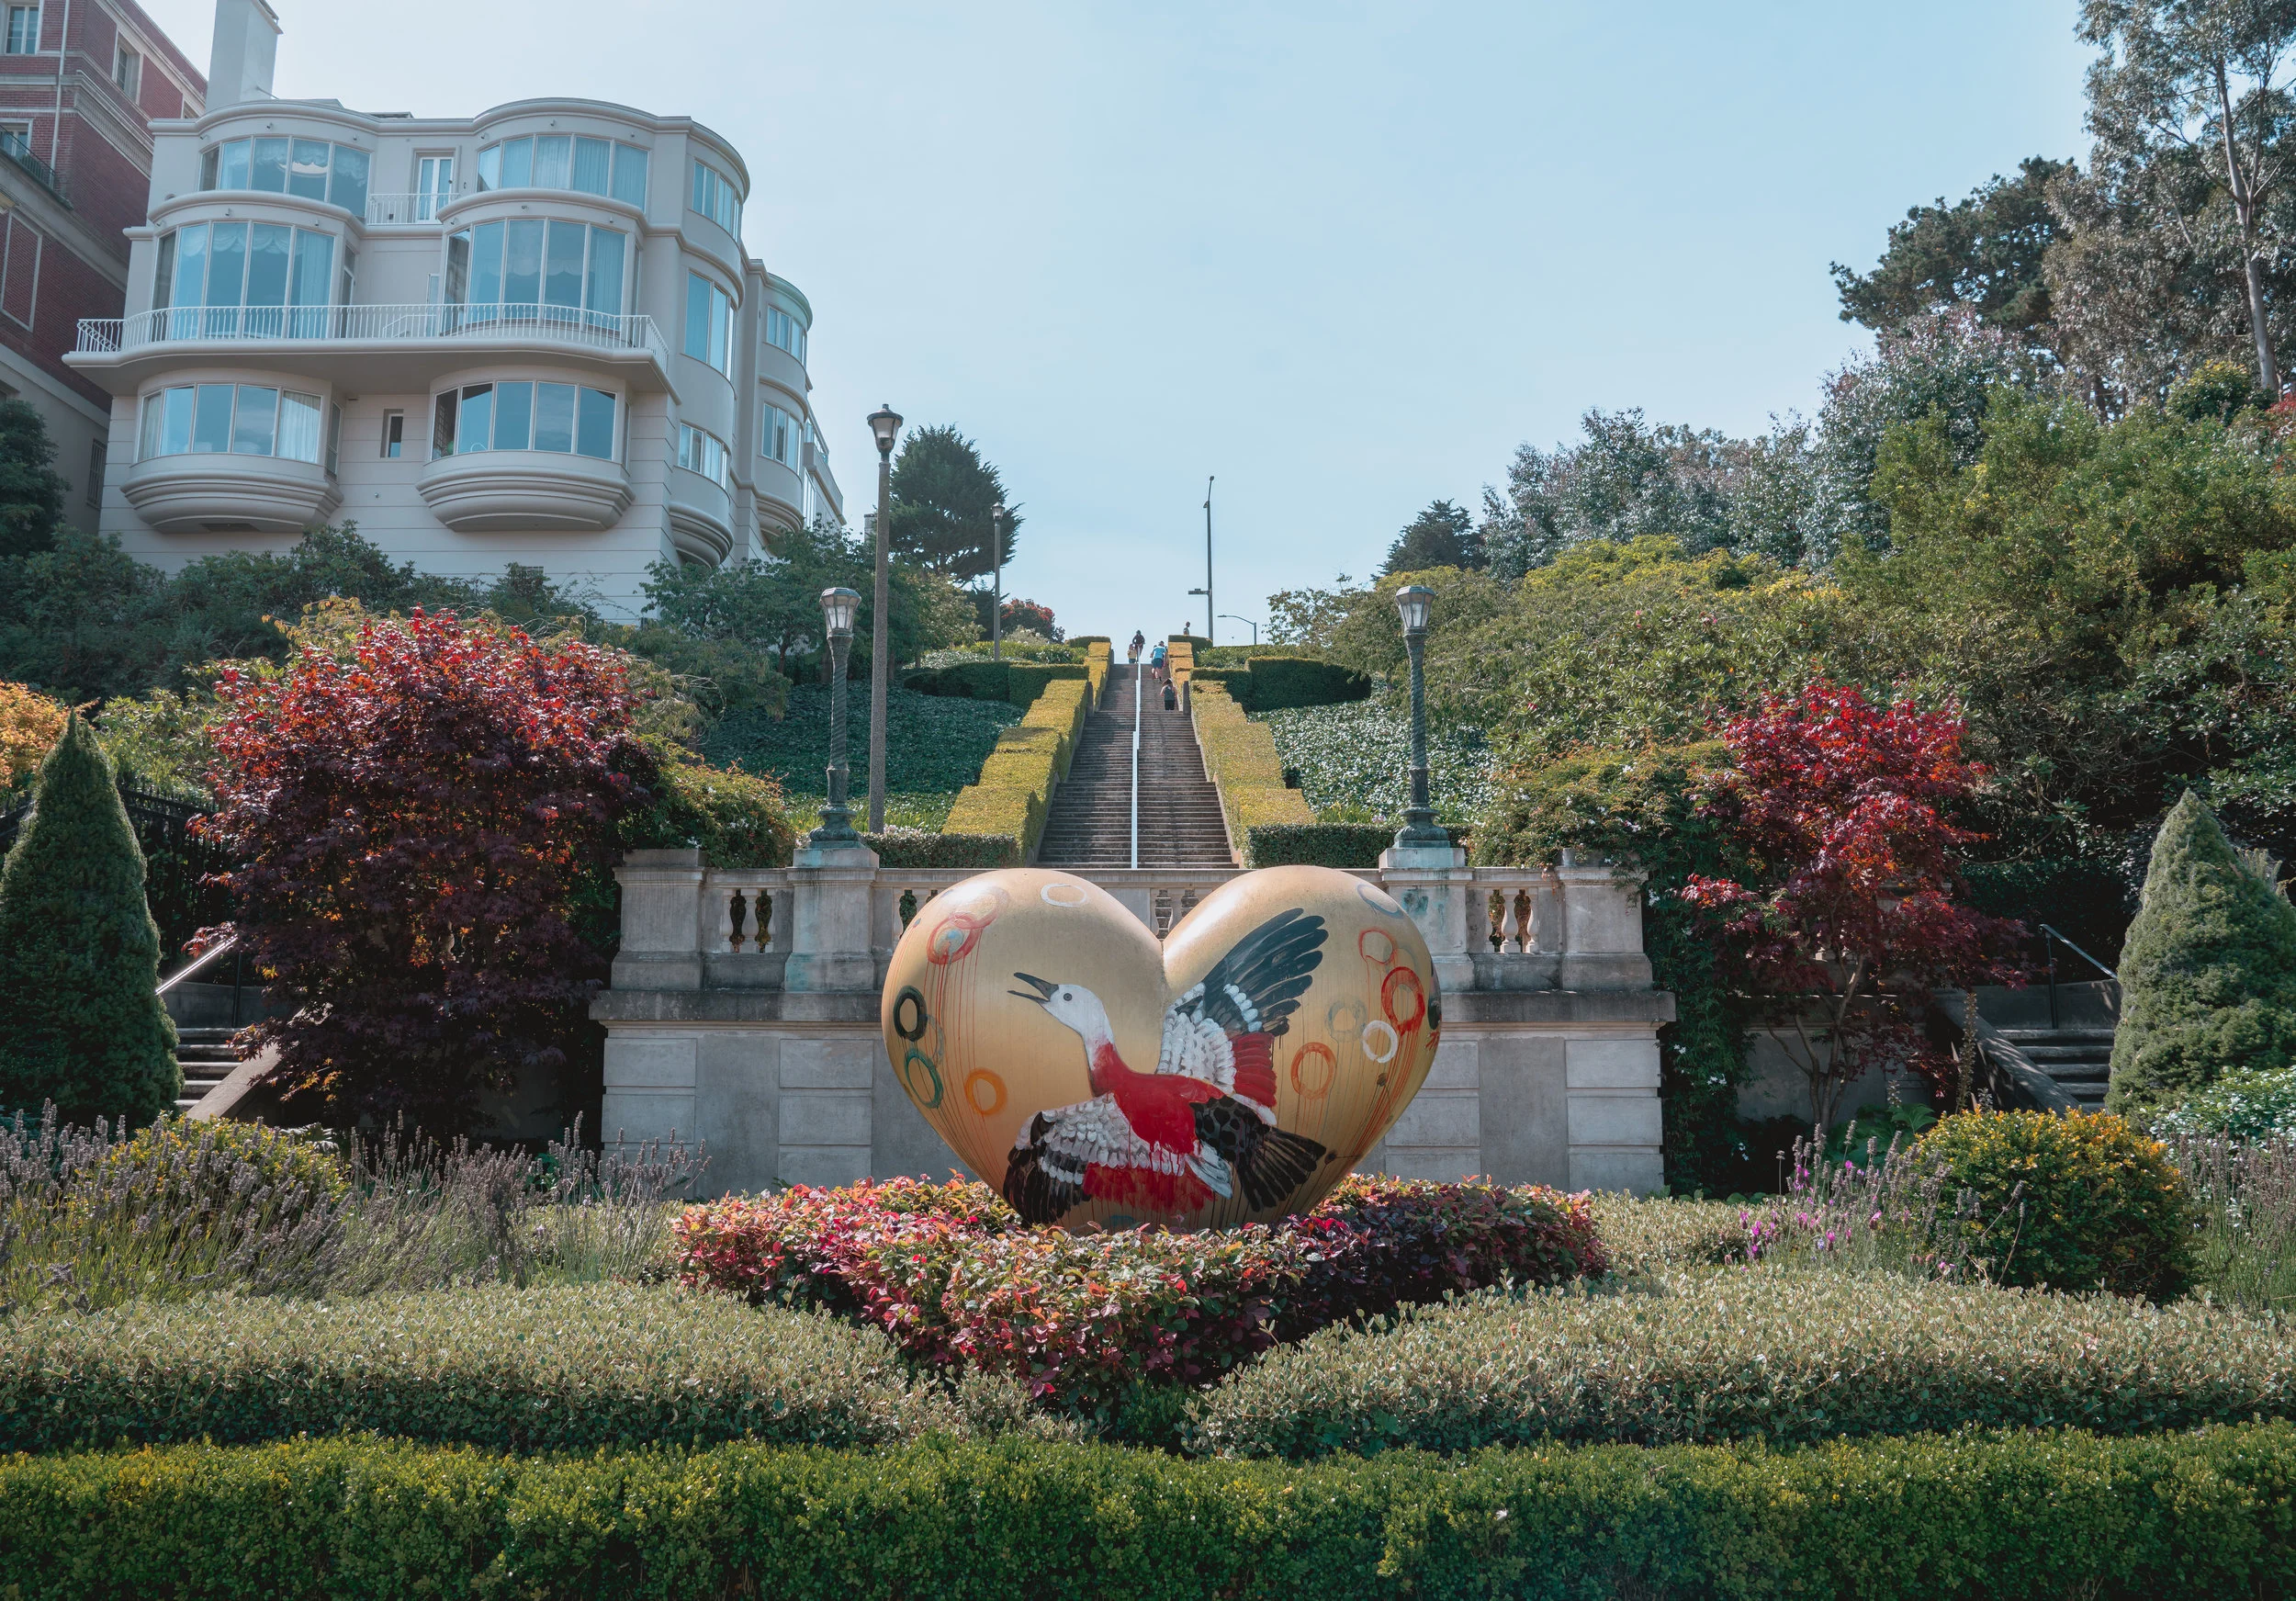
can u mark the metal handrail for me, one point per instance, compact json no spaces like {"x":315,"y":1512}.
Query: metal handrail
{"x":2051,"y":940}
{"x":1136,"y":764}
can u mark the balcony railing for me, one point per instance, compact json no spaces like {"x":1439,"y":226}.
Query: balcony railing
{"x":405,"y":210}
{"x":563,"y":325}
{"x":17,"y":148}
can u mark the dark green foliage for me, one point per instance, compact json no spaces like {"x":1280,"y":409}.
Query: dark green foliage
{"x":1275,"y":683}
{"x":2006,"y":1517}
{"x":2088,"y":901}
{"x":1640,"y":807}
{"x":1442,"y":535}
{"x":31,"y":491}
{"x":913,"y":848}
{"x":933,"y":744}
{"x":1018,"y":682}
{"x":942,"y":497}
{"x":557,"y":1367}
{"x":80,"y":954}
{"x":1983,"y":252}
{"x":2209,"y":971}
{"x":1344,"y":845}
{"x":2080,"y":1202}
{"x":2216,"y":392}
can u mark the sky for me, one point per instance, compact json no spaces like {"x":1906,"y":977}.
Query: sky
{"x":1342,"y":258}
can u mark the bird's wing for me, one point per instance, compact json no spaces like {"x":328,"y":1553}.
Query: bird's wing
{"x":1045,"y":1174}
{"x":1221,"y":1031}
{"x":1269,"y":1163}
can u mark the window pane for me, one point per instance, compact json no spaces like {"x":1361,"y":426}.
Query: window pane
{"x":514,"y":415}
{"x":267,"y":280}
{"x":346,"y":186}
{"x":163,"y":276}
{"x":697,"y":316}
{"x":307,"y":173}
{"x":490,"y":167}
{"x":442,"y":425}
{"x":315,"y":279}
{"x":148,"y":439}
{"x":721,"y":330}
{"x":604,"y":292}
{"x":211,"y":422}
{"x":478,"y":418}
{"x":208,"y":160}
{"x":554,"y":160}
{"x":299,"y":425}
{"x":395,"y":434}
{"x":629,"y":174}
{"x":485,"y":264}
{"x":562,"y":265}
{"x":592,"y":160}
{"x":190,"y":288}
{"x":175,"y":431}
{"x":595,"y":437}
{"x":554,"y":417}
{"x":270,"y":165}
{"x":232,"y":170}
{"x":257,"y":421}
{"x":226,"y":274}
{"x":702,"y":176}
{"x":335,"y":438}
{"x":521,"y":264}
{"x":518,"y":164}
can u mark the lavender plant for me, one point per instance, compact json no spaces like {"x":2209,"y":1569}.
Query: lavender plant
{"x":90,"y":1217}
{"x":2245,"y":1193}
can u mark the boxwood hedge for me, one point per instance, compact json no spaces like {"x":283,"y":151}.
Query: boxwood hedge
{"x":1972,"y":1515}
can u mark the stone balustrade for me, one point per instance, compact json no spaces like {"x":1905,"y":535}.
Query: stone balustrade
{"x":744,"y":1011}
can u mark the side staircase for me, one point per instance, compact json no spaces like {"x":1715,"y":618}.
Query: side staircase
{"x":204,"y":1054}
{"x":2050,"y":1046}
{"x":1180,"y":821}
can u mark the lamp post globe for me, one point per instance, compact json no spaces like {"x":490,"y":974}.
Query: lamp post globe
{"x":1415,"y":605}
{"x":885,"y":426}
{"x":838,"y":607}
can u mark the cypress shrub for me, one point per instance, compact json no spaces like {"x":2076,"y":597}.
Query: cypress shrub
{"x":2209,"y":970}
{"x":80,"y":954}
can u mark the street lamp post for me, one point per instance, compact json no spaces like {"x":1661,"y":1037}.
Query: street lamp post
{"x":1209,"y":639}
{"x":1416,"y":605}
{"x":996,"y":596}
{"x":1246,"y":622}
{"x":838,"y":606}
{"x":886,"y":424}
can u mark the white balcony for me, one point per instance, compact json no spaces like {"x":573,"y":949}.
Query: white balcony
{"x":495,"y":490}
{"x":220,"y":493}
{"x":416,"y":210}
{"x":386,"y":347}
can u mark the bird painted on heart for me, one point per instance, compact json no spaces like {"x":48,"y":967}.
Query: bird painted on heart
{"x":1203,"y":1125}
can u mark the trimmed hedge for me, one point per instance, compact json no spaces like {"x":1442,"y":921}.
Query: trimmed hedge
{"x":562,"y":1368}
{"x":2006,"y":1517}
{"x":1014,"y":791}
{"x":1240,"y":757}
{"x":1790,"y":1357}
{"x":915,"y":847}
{"x":1351,"y":845}
{"x":1275,"y":684}
{"x":1020,"y":683}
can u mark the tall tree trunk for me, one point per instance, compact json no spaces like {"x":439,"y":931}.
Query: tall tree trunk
{"x":2245,"y":207}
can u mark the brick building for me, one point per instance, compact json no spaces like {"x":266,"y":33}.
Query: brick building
{"x":81,"y":82}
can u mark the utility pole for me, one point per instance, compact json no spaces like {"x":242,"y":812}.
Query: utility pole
{"x":1208,"y":637}
{"x":996,"y":601}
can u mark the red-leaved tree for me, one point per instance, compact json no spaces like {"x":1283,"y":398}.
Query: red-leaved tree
{"x":413,"y":820}
{"x":1852,"y":911}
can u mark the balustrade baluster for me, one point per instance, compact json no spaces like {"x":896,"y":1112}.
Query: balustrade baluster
{"x":738,"y":908}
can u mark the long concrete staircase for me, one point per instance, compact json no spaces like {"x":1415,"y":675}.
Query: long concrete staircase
{"x":1180,"y":822}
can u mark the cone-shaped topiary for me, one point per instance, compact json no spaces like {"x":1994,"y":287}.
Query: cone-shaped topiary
{"x":80,"y":1021}
{"x":2208,"y":973}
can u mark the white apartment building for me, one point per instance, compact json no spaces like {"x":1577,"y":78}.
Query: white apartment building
{"x":532,"y":336}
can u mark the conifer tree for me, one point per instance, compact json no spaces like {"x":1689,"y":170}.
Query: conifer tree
{"x":81,"y":1023}
{"x":2208,"y":974}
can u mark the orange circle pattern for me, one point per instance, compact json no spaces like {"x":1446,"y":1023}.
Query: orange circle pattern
{"x":977,"y":1081}
{"x":1377,"y":945}
{"x":1323,"y":1067}
{"x":1404,"y":985}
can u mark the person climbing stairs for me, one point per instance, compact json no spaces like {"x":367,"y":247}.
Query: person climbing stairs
{"x":1180,"y":821}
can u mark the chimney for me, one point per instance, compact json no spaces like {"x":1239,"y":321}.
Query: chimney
{"x":246,"y":44}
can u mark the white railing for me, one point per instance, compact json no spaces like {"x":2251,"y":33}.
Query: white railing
{"x":404,"y":210}
{"x":564,"y":325}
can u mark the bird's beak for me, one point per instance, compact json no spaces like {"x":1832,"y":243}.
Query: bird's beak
{"x":1043,"y":988}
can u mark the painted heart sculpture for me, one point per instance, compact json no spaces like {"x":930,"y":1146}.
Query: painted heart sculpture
{"x":1231,"y":1074}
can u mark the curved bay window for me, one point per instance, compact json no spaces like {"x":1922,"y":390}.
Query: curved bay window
{"x":246,"y":280}
{"x":313,"y":169}
{"x":527,"y":270}
{"x":559,"y":161}
{"x":566,"y":418}
{"x":237,"y":419}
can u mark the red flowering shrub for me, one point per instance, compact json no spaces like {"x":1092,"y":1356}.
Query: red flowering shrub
{"x":1084,"y":1321}
{"x":413,"y":819}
